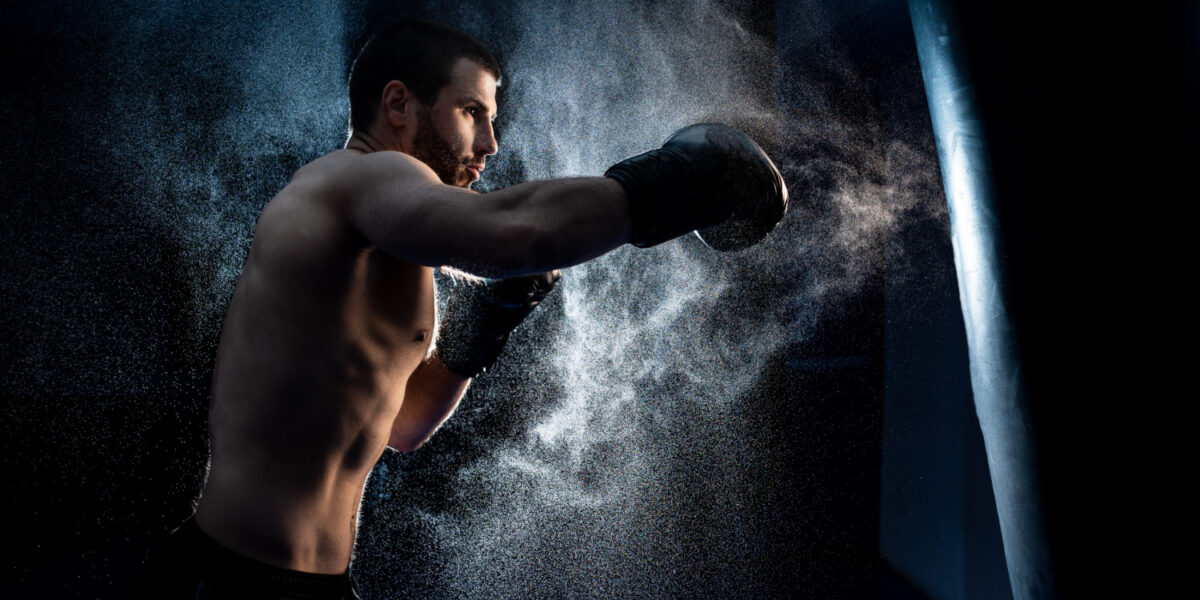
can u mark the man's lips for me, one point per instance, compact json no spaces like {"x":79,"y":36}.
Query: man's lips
{"x":475,"y":170}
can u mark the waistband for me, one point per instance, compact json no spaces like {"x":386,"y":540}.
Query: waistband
{"x":223,"y":560}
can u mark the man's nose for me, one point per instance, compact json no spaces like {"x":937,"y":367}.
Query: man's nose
{"x":485,"y":142}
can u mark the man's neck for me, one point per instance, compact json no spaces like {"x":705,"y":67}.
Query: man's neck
{"x":365,"y":142}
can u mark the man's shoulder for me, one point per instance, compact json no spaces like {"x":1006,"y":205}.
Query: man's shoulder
{"x":305,"y":214}
{"x":313,"y":209}
{"x":347,"y":172}
{"x":340,"y":178}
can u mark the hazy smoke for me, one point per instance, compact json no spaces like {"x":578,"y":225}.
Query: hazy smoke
{"x":233,"y":101}
{"x":617,"y":450}
{"x":641,"y":470}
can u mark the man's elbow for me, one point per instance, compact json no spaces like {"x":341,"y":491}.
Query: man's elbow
{"x":406,"y":444}
{"x":520,"y":246}
{"x":405,"y":448}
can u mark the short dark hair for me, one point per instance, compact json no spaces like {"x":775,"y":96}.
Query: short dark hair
{"x":418,"y":53}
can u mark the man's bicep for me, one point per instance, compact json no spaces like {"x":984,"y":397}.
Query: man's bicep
{"x":398,"y":205}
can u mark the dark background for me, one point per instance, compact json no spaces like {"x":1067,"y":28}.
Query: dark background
{"x":880,"y":485}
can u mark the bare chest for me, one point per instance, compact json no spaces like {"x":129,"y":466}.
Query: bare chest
{"x":391,"y":303}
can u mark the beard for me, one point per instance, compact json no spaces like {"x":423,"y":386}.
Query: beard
{"x":432,"y":149}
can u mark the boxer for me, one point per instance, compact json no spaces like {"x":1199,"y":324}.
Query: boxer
{"x":327,"y":354}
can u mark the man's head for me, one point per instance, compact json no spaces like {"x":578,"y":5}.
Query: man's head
{"x":430,"y":89}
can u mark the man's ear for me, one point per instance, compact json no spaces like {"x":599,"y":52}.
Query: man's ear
{"x":396,"y":103}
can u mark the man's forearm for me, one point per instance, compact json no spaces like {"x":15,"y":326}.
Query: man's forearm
{"x":431,"y":396}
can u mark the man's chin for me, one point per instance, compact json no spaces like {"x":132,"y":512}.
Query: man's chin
{"x":458,"y":182}
{"x":459,"y":177}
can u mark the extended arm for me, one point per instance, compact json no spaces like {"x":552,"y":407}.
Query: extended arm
{"x":397,"y":204}
{"x":707,"y":177}
{"x":431,"y":396}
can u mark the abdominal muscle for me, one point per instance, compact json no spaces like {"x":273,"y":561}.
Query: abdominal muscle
{"x":290,"y":497}
{"x":310,"y":375}
{"x":303,"y":525}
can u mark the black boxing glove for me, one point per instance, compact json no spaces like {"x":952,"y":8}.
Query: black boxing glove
{"x":707,"y":177}
{"x":479,"y":319}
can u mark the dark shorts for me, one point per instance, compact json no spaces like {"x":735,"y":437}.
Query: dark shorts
{"x":189,"y":564}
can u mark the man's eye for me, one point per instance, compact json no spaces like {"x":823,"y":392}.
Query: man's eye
{"x":471,"y":110}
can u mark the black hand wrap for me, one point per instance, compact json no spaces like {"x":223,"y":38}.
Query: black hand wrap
{"x":479,"y":318}
{"x":707,"y":177}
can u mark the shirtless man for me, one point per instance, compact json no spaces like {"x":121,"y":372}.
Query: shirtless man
{"x":325,"y":354}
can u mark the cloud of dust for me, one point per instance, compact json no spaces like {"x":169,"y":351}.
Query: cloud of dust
{"x":656,"y":350}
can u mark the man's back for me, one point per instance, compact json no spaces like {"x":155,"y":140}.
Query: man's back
{"x":320,"y":339}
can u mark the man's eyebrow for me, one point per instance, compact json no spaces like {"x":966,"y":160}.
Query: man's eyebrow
{"x":479,"y":101}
